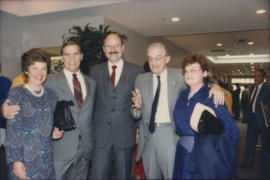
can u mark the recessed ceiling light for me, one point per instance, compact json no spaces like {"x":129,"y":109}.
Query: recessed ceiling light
{"x":250,"y":43}
{"x":261,"y":11}
{"x":227,"y":55}
{"x":175,"y":19}
{"x":219,"y":44}
{"x":252,"y":63}
{"x":251,"y":54}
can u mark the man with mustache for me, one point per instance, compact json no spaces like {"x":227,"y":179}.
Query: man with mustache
{"x":114,"y":127}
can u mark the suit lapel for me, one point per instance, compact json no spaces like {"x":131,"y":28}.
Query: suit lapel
{"x":148,"y":92}
{"x":123,"y":78}
{"x":88,"y":90}
{"x":171,"y":89}
{"x":65,"y":85}
{"x":261,"y":92}
{"x":106,"y":80}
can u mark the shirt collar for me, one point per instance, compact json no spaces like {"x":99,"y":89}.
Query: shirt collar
{"x":69,"y":73}
{"x":118,"y":63}
{"x":260,"y":85}
{"x":162,"y":75}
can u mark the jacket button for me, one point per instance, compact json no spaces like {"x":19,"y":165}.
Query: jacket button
{"x":146,"y":124}
{"x":80,"y":136}
{"x":114,"y":97}
{"x":113,"y":109}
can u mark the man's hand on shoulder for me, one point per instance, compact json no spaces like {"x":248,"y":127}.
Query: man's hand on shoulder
{"x":9,"y":111}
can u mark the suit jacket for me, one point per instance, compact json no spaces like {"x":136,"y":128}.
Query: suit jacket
{"x":263,"y":96}
{"x":81,"y":137}
{"x":112,"y":120}
{"x":5,"y":86}
{"x":144,"y":83}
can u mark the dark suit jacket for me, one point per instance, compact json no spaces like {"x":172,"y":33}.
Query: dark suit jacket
{"x":67,"y":147}
{"x":5,"y":86}
{"x":264,"y":96}
{"x":112,"y":118}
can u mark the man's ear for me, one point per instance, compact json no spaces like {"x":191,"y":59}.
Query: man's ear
{"x":168,"y":58}
{"x":205,"y":73}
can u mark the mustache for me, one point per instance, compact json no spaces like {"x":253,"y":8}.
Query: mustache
{"x":113,"y":52}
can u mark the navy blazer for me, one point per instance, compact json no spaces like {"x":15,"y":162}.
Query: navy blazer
{"x":212,"y":157}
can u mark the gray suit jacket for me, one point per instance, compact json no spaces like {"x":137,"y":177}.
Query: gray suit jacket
{"x":144,"y":83}
{"x":81,"y":137}
{"x":112,"y":120}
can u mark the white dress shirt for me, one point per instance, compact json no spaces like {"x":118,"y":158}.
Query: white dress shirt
{"x":118,"y":70}
{"x":163,"y":112}
{"x":69,"y":78}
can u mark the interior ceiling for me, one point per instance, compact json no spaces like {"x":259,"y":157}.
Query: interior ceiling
{"x":203,"y":23}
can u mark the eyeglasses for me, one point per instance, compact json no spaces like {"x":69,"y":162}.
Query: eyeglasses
{"x":192,"y":70}
{"x":158,"y":58}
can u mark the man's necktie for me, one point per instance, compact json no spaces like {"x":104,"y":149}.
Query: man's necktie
{"x":254,"y":95}
{"x":154,"y":108}
{"x":113,"y":75}
{"x":77,"y":91}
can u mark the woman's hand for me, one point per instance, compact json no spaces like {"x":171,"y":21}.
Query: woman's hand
{"x":57,"y":134}
{"x":19,"y":170}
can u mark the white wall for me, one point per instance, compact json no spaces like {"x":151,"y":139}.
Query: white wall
{"x":19,"y":34}
{"x":10,"y":44}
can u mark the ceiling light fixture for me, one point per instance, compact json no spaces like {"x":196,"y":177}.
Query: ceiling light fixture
{"x":175,"y":19}
{"x":219,"y":44}
{"x":250,"y":43}
{"x":260,"y":58}
{"x":261,"y":11}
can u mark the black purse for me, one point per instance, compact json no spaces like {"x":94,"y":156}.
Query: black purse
{"x":209,"y":124}
{"x":63,"y":118}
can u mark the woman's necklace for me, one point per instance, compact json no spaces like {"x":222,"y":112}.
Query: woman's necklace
{"x":35,"y":93}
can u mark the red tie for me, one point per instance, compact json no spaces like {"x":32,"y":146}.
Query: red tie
{"x":254,"y":95}
{"x":113,"y":75}
{"x":77,"y":91}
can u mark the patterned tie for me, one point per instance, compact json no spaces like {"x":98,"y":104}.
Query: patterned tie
{"x":154,"y":108}
{"x":77,"y":91}
{"x":113,"y":75}
{"x":254,"y":95}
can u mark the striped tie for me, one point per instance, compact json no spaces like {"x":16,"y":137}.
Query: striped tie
{"x":77,"y":91}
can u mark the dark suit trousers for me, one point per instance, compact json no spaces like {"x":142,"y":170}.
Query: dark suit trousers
{"x":111,"y":160}
{"x":251,"y":141}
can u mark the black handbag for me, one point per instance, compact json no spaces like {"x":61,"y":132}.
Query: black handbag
{"x":209,"y":124}
{"x":63,"y":118}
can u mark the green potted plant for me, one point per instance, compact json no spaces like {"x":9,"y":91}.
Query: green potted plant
{"x":91,"y":41}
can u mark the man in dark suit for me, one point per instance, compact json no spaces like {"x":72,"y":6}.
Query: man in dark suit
{"x":72,"y":151}
{"x":256,"y":122}
{"x":5,"y":84}
{"x":114,"y":127}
